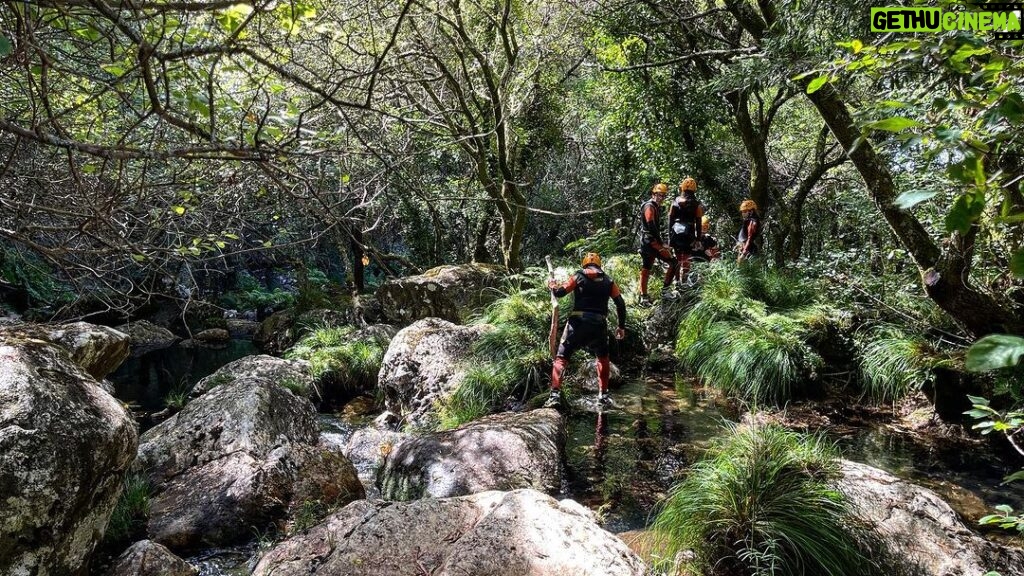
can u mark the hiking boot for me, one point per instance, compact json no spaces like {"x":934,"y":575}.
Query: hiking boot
{"x":669,"y":294}
{"x":554,"y":400}
{"x":605,"y":401}
{"x":645,"y":301}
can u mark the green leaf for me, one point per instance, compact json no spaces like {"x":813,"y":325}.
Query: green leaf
{"x":1017,"y":264}
{"x":995,"y":351}
{"x":966,"y":210}
{"x":139,"y":257}
{"x":817,"y":83}
{"x":894,"y":124}
{"x":978,"y":401}
{"x":1015,"y":477}
{"x":1005,"y":509}
{"x":857,"y":46}
{"x":345,"y":178}
{"x":912,"y":198}
{"x":113,"y":69}
{"x":5,"y":46}
{"x":179,"y":210}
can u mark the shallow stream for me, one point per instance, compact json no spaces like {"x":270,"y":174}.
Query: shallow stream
{"x":622,"y":461}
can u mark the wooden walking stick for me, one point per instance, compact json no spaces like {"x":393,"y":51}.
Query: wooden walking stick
{"x":553,"y":336}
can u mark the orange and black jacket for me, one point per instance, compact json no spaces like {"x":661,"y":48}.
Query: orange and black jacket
{"x":650,"y":229}
{"x":592,"y":289}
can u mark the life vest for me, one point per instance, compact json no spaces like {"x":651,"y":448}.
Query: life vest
{"x":741,"y":238}
{"x":593,"y":290}
{"x":684,"y":221}
{"x":649,"y":231}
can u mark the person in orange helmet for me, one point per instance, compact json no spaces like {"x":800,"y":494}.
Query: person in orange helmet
{"x":588,"y":323}
{"x":748,"y":241}
{"x":708,"y":249}
{"x":684,"y":225}
{"x":651,"y":245}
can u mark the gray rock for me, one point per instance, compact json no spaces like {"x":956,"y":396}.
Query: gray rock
{"x":97,"y":349}
{"x":500,"y":452}
{"x":520,"y":533}
{"x":146,"y":336}
{"x":213,"y":335}
{"x":367,"y":449}
{"x":292,"y":374}
{"x":449,"y":292}
{"x":242,"y":328}
{"x":239,"y":457}
{"x":147,"y":558}
{"x":65,"y":446}
{"x":921,"y":527}
{"x":423,"y":365}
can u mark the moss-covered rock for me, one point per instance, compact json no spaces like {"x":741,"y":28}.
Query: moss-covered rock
{"x":450,"y":292}
{"x":65,"y":445}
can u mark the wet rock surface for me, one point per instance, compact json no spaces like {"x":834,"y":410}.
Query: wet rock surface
{"x":922,"y":527}
{"x":146,"y":336}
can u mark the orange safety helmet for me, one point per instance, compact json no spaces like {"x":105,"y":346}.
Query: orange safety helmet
{"x":748,"y":204}
{"x":591,"y":259}
{"x":660,"y":188}
{"x":688,"y":185}
{"x":705,"y":223}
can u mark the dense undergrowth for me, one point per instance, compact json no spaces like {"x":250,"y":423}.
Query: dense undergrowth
{"x":343,"y":364}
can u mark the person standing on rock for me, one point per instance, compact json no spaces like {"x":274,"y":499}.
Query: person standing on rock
{"x":588,"y":323}
{"x":651,"y":245}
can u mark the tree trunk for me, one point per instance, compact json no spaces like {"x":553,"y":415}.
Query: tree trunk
{"x":755,"y":145}
{"x":483,"y":232}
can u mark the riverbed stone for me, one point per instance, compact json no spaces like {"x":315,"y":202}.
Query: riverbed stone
{"x":65,"y":445}
{"x":97,"y":349}
{"x":241,"y":327}
{"x":240,"y":457}
{"x":921,"y":527}
{"x":499,"y":452}
{"x":147,"y":558}
{"x":213,"y":335}
{"x":450,"y":292}
{"x":518,"y":533}
{"x":423,"y":365}
{"x":292,"y":374}
{"x":146,"y":336}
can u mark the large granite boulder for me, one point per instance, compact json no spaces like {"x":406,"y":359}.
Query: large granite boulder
{"x":147,"y":558}
{"x":424,"y":364}
{"x":65,"y":446}
{"x":146,"y":336}
{"x":520,"y":533}
{"x":921,"y":527}
{"x":292,"y":374}
{"x":97,"y":349}
{"x":449,"y":292}
{"x":500,"y":452}
{"x":238,"y":458}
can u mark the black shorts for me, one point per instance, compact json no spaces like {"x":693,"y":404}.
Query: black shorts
{"x":584,"y":330}
{"x":648,"y":255}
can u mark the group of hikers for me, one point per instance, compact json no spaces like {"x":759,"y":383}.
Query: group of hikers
{"x":688,"y":235}
{"x":689,"y":240}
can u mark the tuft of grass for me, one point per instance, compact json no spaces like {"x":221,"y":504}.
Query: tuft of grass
{"x":894,"y":363}
{"x":760,"y":502}
{"x":341,"y":366}
{"x":750,"y":333}
{"x":128,"y":519}
{"x":177,"y":397}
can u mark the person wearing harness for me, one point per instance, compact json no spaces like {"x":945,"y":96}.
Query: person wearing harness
{"x":708,"y":249}
{"x":587,"y":325}
{"x":748,"y":241}
{"x":684,"y":225}
{"x":651,"y":245}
